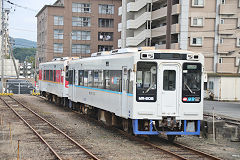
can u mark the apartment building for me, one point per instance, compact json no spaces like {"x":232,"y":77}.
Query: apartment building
{"x":211,"y":27}
{"x":77,"y":28}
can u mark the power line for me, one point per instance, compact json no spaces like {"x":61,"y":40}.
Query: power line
{"x":20,"y":6}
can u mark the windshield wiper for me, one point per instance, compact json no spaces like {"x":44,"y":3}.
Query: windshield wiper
{"x":189,"y":88}
{"x":149,"y":88}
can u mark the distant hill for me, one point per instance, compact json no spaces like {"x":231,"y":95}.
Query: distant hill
{"x":24,"y":43}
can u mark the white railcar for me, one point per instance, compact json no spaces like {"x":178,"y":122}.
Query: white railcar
{"x":52,"y":83}
{"x":151,"y":91}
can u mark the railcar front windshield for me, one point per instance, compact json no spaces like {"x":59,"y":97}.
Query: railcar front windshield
{"x":146,"y":81}
{"x":191,"y":82}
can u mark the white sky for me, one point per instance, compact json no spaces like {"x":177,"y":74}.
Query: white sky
{"x":22,"y":22}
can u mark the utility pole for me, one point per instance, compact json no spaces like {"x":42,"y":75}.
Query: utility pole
{"x":70,"y":47}
{"x":124,"y":24}
{"x":13,"y":59}
{"x":2,"y":55}
{"x":169,"y":24}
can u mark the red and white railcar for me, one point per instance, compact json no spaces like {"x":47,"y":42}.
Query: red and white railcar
{"x":52,"y":83}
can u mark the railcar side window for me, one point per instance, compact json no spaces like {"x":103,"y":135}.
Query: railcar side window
{"x":106,"y":82}
{"x":85,"y":78}
{"x":169,"y":80}
{"x":130,"y":83}
{"x":44,"y":76}
{"x":146,"y":82}
{"x":116,"y":81}
{"x":74,"y":77}
{"x":90,"y":78}
{"x":47,"y":75}
{"x":54,"y":76}
{"x":98,"y":79}
{"x":70,"y":76}
{"x":80,"y":78}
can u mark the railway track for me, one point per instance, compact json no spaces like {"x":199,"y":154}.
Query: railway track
{"x":172,"y":150}
{"x":60,"y":144}
{"x":175,"y":149}
{"x":229,"y":120}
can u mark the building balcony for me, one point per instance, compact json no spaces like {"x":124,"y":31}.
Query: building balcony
{"x":119,"y":11}
{"x":225,"y":68}
{"x":137,"y":5}
{"x":162,"y":12}
{"x":136,"y":40}
{"x":119,"y":27}
{"x":229,"y":9}
{"x":134,"y":24}
{"x":119,"y":43}
{"x":226,"y":29}
{"x":161,"y":31}
{"x":226,"y":48}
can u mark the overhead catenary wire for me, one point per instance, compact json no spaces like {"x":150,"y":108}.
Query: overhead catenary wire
{"x":17,"y":5}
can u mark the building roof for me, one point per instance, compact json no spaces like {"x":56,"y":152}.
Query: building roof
{"x":58,"y":6}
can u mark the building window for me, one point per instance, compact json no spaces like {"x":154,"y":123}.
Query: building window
{"x":197,"y":21}
{"x":81,"y":35}
{"x":221,"y":21}
{"x":237,"y":61}
{"x":197,"y":41}
{"x":105,"y":36}
{"x":58,"y":48}
{"x":220,"y":60}
{"x":106,"y":9}
{"x":223,"y":1}
{"x":238,"y":42}
{"x":221,"y":40}
{"x":81,"y":21}
{"x":211,"y":85}
{"x":81,"y":7}
{"x":106,"y":23}
{"x":58,"y":34}
{"x":58,"y":20}
{"x":80,"y":49}
{"x":198,"y":3}
{"x":104,"y":48}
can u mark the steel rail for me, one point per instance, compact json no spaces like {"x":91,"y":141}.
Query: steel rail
{"x":201,"y":153}
{"x":197,"y":151}
{"x":71,"y":139}
{"x":39,"y":136}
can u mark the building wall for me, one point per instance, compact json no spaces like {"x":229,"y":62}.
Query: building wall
{"x":219,"y":30}
{"x":46,"y":16}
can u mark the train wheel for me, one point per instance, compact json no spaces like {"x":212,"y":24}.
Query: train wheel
{"x":171,"y":138}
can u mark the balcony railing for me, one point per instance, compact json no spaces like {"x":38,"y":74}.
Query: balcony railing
{"x":137,"y":5}
{"x":134,"y":24}
{"x":136,"y":40}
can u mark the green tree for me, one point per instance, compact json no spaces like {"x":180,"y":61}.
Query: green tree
{"x":23,"y":54}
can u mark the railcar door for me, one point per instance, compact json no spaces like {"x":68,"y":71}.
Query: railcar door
{"x":169,"y":89}
{"x":124,"y":108}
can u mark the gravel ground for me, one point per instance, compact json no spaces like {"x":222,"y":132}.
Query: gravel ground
{"x":29,"y":146}
{"x":106,"y":143}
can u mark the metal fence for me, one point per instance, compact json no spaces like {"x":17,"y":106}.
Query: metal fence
{"x":19,"y":87}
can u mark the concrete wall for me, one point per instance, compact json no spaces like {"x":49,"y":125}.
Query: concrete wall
{"x":9,"y":70}
{"x":225,"y":88}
